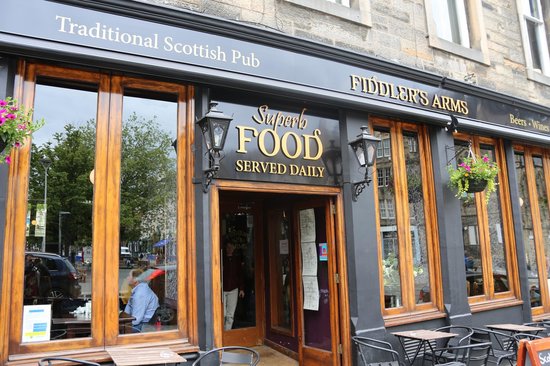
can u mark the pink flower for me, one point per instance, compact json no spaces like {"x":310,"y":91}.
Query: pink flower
{"x":22,"y":126}
{"x":2,"y":120}
{"x":3,"y":103}
{"x":2,"y":111}
{"x":486,"y":159}
{"x":465,"y":166}
{"x":17,"y":144}
{"x":7,"y":160}
{"x":10,"y":116}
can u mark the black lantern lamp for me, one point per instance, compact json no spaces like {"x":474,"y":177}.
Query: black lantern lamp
{"x":214,"y":126}
{"x":364,"y":147}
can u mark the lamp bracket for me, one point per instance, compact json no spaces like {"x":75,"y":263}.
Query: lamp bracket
{"x":457,"y":151}
{"x":359,"y":187}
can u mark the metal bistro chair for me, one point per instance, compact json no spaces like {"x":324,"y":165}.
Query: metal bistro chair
{"x":229,"y":355}
{"x":445,"y":345}
{"x":474,"y":354}
{"x":48,"y":361}
{"x":504,"y":346}
{"x":368,"y":347}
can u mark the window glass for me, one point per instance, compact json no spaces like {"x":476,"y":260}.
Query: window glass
{"x":450,"y":17}
{"x":470,"y":235}
{"x":148,"y":251}
{"x":58,"y":262}
{"x":405,"y":238}
{"x":417,"y":218}
{"x":544,"y":220}
{"x":388,"y":226}
{"x":527,"y":230}
{"x":498,"y":247}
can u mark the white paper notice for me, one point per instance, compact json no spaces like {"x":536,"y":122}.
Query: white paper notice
{"x":307,"y":225}
{"x":311,"y":293}
{"x":309,"y":259}
{"x":36,"y":323}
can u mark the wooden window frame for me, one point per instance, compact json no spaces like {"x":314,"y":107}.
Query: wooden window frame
{"x":110,"y":91}
{"x":528,"y":153}
{"x":410,"y":311}
{"x":490,"y":299}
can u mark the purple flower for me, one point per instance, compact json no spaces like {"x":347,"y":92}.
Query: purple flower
{"x":7,"y":159}
{"x":22,"y":126}
{"x":3,"y":103}
{"x":10,"y":116}
{"x":486,"y":159}
{"x":17,"y":144}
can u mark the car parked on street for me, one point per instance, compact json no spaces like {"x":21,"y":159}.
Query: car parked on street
{"x":56,"y":276}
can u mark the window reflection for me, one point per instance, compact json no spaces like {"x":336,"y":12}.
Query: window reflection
{"x":496,"y":236}
{"x":148,"y":250}
{"x":418,"y":223}
{"x":59,"y":209}
{"x":388,"y":223}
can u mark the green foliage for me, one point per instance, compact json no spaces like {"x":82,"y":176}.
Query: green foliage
{"x":147,"y":171}
{"x":16,"y":125}
{"x":473,"y":169}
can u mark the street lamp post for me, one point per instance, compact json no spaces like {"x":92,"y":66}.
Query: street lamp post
{"x":61,"y":213}
{"x":46,"y":162}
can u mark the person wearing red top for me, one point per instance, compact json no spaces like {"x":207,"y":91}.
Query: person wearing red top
{"x":233,"y":283}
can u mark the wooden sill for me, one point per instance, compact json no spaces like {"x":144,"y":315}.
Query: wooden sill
{"x":97,"y":354}
{"x":414,"y":317}
{"x":477,"y":307}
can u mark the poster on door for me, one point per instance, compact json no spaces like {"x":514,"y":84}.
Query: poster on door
{"x":311,"y":293}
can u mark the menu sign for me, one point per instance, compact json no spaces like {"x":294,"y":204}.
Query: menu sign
{"x":536,"y":352}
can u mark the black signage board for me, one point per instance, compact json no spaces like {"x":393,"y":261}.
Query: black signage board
{"x":273,"y":142}
{"x":31,"y":20}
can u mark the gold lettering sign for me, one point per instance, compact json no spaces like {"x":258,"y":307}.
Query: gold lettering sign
{"x":293,"y":144}
{"x":529,"y":123}
{"x":405,"y":94}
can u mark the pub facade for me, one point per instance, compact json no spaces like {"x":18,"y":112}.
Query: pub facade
{"x":173,"y":136}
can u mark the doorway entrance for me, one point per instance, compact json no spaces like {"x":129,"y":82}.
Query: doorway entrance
{"x":280,"y":256}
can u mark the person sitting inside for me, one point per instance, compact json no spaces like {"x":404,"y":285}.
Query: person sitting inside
{"x":143,"y":302}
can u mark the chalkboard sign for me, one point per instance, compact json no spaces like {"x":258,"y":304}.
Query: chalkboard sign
{"x":536,"y":352}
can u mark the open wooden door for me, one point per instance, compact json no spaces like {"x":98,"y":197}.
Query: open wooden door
{"x":242,"y":311}
{"x":317,"y":310}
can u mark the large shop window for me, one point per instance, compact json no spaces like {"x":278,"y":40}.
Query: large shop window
{"x":100,"y":251}
{"x":487,"y":234}
{"x":406,"y":221}
{"x":533,"y":174}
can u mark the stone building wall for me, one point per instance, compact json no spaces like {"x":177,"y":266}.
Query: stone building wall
{"x":392,"y":30}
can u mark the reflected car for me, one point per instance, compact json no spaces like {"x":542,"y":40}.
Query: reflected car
{"x":61,"y":279}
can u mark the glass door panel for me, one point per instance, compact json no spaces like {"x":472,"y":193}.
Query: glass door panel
{"x":147,"y":272}
{"x":58,"y":246}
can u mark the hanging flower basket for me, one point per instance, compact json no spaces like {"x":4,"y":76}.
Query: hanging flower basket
{"x":16,"y":125}
{"x":476,"y":185}
{"x":473,"y":175}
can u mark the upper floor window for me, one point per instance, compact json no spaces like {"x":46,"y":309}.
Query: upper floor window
{"x":341,"y":2}
{"x":535,"y":26}
{"x":451,"y":21}
{"x":457,"y":26}
{"x":357,"y":11}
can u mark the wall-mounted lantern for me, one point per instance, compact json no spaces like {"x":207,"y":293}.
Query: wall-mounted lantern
{"x":214,"y":126}
{"x":364,"y":147}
